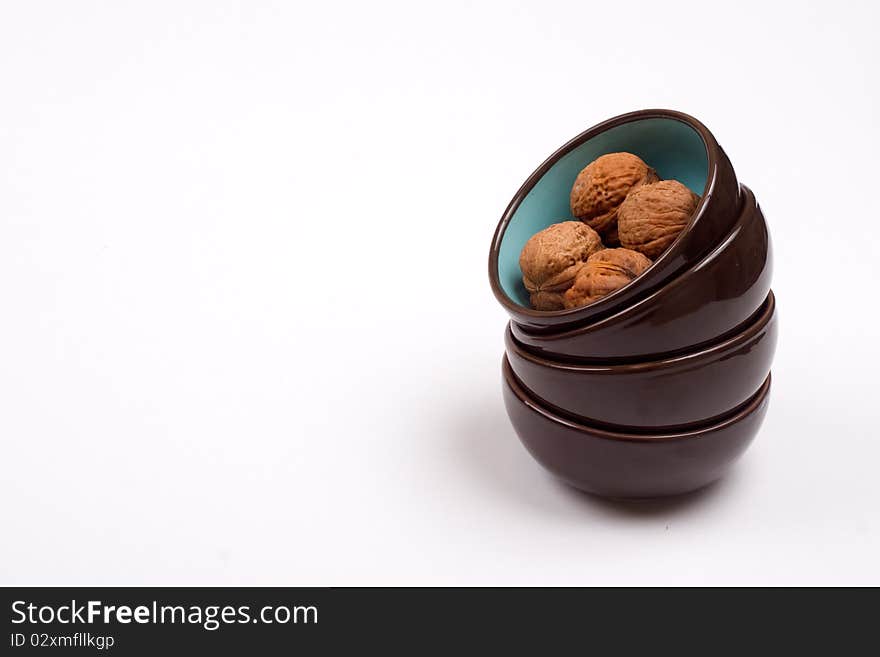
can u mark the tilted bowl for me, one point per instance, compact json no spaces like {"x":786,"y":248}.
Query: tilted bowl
{"x":631,"y":465}
{"x":695,"y":388}
{"x":710,"y":300}
{"x":677,"y":146}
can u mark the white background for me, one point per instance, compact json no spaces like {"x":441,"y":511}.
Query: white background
{"x":247,"y":334}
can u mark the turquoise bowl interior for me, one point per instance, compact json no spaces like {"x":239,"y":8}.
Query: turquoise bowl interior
{"x":672,"y":147}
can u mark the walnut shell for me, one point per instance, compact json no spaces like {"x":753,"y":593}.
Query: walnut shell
{"x":606,"y":271}
{"x":602,"y":186}
{"x":653,"y":215}
{"x":550,"y":260}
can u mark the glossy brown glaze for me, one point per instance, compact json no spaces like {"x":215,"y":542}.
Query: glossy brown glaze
{"x":686,"y":390}
{"x":625,"y":465}
{"x":712,"y":220}
{"x":710,"y":300}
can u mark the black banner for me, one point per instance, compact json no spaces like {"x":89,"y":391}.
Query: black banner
{"x":156,"y":621}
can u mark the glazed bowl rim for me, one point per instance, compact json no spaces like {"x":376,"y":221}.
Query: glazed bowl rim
{"x":758,"y":322}
{"x":738,"y":414}
{"x":712,"y":150}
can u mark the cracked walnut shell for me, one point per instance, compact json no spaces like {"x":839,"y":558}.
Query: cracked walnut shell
{"x":605,"y":272}
{"x":550,"y":260}
{"x":602,"y":186}
{"x":652,"y":216}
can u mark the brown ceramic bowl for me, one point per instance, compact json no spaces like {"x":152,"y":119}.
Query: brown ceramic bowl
{"x":677,"y":146}
{"x":631,"y":465}
{"x":711,"y":300}
{"x":670,"y":394}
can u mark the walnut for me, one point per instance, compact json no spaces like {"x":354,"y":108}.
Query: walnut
{"x":601,"y":187}
{"x":606,"y":271}
{"x":653,"y":215}
{"x":551,"y":258}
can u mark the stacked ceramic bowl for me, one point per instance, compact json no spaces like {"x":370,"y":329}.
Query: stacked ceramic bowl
{"x":657,"y":388}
